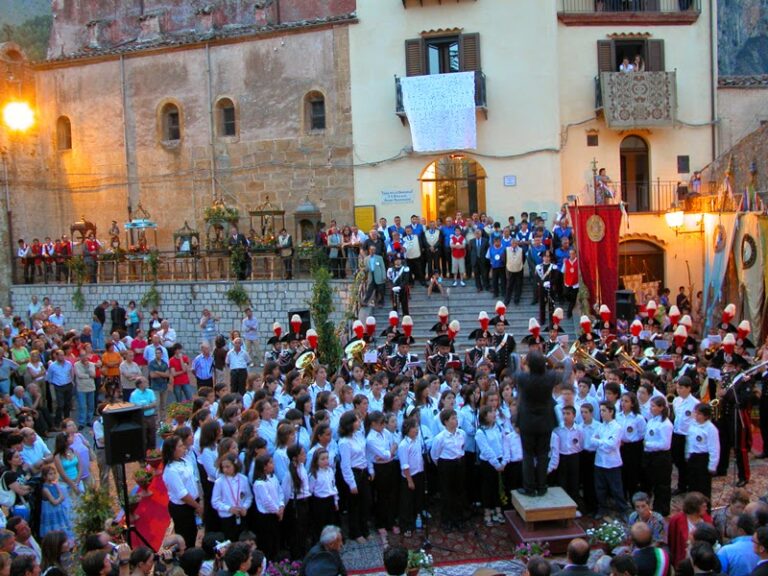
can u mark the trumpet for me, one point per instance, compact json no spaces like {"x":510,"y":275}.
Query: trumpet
{"x":716,"y":409}
{"x":625,"y":359}
{"x":579,"y":354}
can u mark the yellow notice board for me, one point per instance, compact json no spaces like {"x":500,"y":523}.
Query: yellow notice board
{"x":365,"y":217}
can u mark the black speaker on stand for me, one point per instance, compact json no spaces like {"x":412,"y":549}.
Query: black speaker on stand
{"x":125,"y":441}
{"x":625,"y":305}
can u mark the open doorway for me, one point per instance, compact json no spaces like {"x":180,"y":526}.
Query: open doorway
{"x":635,"y":174}
{"x":453,"y":183}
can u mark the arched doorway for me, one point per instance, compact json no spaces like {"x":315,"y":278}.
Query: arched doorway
{"x":635,"y":174}
{"x":450,"y":184}
{"x":641,"y":263}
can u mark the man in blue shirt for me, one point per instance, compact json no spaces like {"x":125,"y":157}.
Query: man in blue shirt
{"x":396,"y":227}
{"x":739,"y":557}
{"x":59,"y":375}
{"x":416,"y":225}
{"x":145,"y":397}
{"x":446,"y":261}
{"x":561,"y":255}
{"x":498,"y":258}
{"x":534,"y":256}
{"x":202,"y":366}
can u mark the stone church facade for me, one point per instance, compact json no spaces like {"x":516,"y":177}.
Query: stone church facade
{"x":170,"y":105}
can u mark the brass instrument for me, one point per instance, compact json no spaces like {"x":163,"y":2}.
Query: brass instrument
{"x":354,"y":351}
{"x":579,"y":354}
{"x":716,"y":408}
{"x":306,"y":363}
{"x":627,"y":360}
{"x":671,"y":398}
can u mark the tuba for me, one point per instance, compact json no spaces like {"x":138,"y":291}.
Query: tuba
{"x":354,"y":351}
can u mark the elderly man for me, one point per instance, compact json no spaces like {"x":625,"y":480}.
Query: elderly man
{"x":649,"y":559}
{"x":202,"y":366}
{"x":60,"y":375}
{"x":324,"y":558}
{"x":34,"y":451}
{"x":156,"y":344}
{"x":249,"y":328}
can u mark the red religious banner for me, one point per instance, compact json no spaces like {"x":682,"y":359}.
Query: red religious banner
{"x":597,"y":241}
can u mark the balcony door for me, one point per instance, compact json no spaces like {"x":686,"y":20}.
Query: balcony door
{"x":451,"y":184}
{"x":635,"y":174}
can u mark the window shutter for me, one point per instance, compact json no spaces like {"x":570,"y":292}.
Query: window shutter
{"x":606,"y":56}
{"x":654,"y":55}
{"x":414,"y":57}
{"x":469,"y":52}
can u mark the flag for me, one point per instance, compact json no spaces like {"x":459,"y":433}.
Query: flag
{"x":748,"y":253}
{"x":718,"y":242}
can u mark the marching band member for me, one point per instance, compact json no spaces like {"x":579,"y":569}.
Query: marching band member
{"x":504,"y":343}
{"x":399,"y":276}
{"x":273,"y":354}
{"x":437,"y":363}
{"x":397,"y":363}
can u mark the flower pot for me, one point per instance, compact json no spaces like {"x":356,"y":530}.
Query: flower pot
{"x":412,"y":571}
{"x":154,"y":462}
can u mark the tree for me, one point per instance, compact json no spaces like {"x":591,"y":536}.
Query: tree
{"x":321,"y":307}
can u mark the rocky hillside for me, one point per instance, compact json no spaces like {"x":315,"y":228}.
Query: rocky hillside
{"x":743,"y":37}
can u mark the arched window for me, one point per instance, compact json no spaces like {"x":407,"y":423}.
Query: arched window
{"x":314,"y":106}
{"x":63,"y":133}
{"x":641,"y":259}
{"x":170,"y":123}
{"x":226,"y":121}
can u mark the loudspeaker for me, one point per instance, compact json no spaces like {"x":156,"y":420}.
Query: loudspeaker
{"x":306,"y":319}
{"x":124,"y":438}
{"x":625,"y":305}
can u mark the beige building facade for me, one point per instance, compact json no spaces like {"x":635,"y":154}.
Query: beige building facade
{"x":554,"y":108}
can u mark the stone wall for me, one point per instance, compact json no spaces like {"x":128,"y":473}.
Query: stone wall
{"x":183,"y":302}
{"x":751,"y":149}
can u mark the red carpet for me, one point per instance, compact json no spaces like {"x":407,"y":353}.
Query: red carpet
{"x":153,"y":517}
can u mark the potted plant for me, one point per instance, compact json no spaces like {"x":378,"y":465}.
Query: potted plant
{"x":607,"y":536}
{"x":154,"y":458}
{"x":179,"y":412}
{"x":419,"y":560}
{"x":143,"y":478}
{"x":165,"y":430}
{"x":94,"y":510}
{"x":284,"y":568}
{"x":525,"y":550}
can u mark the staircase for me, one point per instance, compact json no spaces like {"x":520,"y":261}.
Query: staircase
{"x":464,"y":304}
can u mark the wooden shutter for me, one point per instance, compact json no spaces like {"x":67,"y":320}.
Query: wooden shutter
{"x":414,"y":57}
{"x":469,"y":52}
{"x":606,"y":56}
{"x":654,"y":55}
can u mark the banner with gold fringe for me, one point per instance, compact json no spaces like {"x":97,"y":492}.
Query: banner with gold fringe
{"x":748,"y":257}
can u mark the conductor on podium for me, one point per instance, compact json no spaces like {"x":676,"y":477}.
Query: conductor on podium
{"x":536,"y":419}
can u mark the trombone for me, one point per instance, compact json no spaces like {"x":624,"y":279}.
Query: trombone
{"x":579,"y":354}
{"x":626,"y":360}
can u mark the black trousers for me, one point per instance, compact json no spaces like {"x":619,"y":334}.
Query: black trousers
{"x":446,"y":260}
{"x":211,"y":518}
{"x":678,"y":459}
{"x":400,"y":300}
{"x":416,"y":266}
{"x":608,"y":484}
{"x":432,"y":261}
{"x":489,"y":478}
{"x":480,"y":271}
{"x":237,"y":379}
{"x":733,"y":436}
{"x":535,"y":460}
{"x":498,"y":281}
{"x":63,"y":401}
{"x":267,"y":531}
{"x":322,"y":512}
{"x":451,"y":475}
{"x":359,"y":504}
{"x":514,"y":287}
{"x":183,"y":517}
{"x":587,"y":477}
{"x":378,"y":289}
{"x":631,"y":458}
{"x":570,"y":297}
{"x":411,"y":501}
{"x":546,"y":304}
{"x":204,"y":382}
{"x":699,"y":478}
{"x":657,"y":479}
{"x":471,"y":479}
{"x":231,"y":528}
{"x":568,"y":474}
{"x":385,"y":487}
{"x":296,"y":527}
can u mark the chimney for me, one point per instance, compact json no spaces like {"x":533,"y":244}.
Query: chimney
{"x":100,"y":33}
{"x":151,"y":26}
{"x":265,"y":12}
{"x":204,"y":19}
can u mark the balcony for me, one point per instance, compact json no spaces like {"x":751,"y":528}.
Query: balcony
{"x":480,"y":99}
{"x":637,"y":99}
{"x":654,"y":197}
{"x":640,"y":12}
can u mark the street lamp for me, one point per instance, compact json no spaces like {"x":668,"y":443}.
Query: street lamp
{"x":677,"y":219}
{"x":18,"y":116}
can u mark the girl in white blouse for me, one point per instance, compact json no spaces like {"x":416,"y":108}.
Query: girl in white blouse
{"x":296,"y":496}
{"x":380,"y":451}
{"x":232,"y":496}
{"x":354,"y":470}
{"x":269,"y":506}
{"x":324,"y":499}
{"x":632,"y":434}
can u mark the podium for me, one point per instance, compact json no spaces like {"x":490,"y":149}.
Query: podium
{"x":547,"y":518}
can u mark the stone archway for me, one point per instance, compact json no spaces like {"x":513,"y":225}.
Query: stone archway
{"x":450,"y":184}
